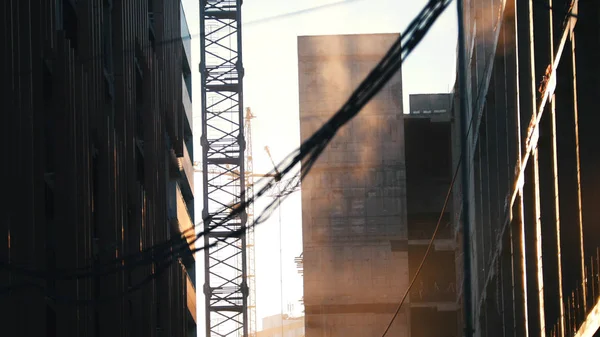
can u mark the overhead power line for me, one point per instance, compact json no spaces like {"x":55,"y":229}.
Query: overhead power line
{"x":568,"y":13}
{"x":312,"y":148}
{"x":160,"y":268}
{"x":300,"y":12}
{"x":306,"y":155}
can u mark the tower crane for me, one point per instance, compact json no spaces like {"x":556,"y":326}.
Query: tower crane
{"x":250,"y":243}
{"x":278,"y":192}
{"x":223,"y":147}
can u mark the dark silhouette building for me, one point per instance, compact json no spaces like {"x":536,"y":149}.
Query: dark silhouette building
{"x":533,"y":162}
{"x":97,"y":165}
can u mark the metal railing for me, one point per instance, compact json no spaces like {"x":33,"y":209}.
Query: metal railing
{"x":434,"y":291}
{"x":582,"y":300}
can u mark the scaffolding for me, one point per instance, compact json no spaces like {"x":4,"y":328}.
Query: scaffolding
{"x":532,"y":159}
{"x":223,"y":145}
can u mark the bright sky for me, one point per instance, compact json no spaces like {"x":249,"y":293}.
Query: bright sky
{"x":270,"y":29}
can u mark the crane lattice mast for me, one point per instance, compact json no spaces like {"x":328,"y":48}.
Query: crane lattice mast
{"x":223,"y":145}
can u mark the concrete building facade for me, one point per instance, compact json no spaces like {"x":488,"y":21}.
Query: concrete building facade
{"x":532,"y":101}
{"x":355,"y":244}
{"x":96,"y":129}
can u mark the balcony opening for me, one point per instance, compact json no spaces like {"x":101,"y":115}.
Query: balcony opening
{"x":428,"y":164}
{"x":422,"y":225}
{"x":421,"y":326}
{"x":437,"y":281}
{"x":425,"y":158}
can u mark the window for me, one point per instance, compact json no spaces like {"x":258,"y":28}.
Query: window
{"x":139,"y":101}
{"x":151,"y":23}
{"x":107,"y":37}
{"x":69,"y":22}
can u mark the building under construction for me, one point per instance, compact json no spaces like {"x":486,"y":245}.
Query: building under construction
{"x":428,"y":160}
{"x":533,"y":86}
{"x":355,"y":251}
{"x":372,"y":200}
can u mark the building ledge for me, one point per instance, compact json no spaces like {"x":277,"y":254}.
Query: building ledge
{"x":184,"y":223}
{"x":441,"y":306}
{"x":439,"y":244}
{"x":186,"y":171}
